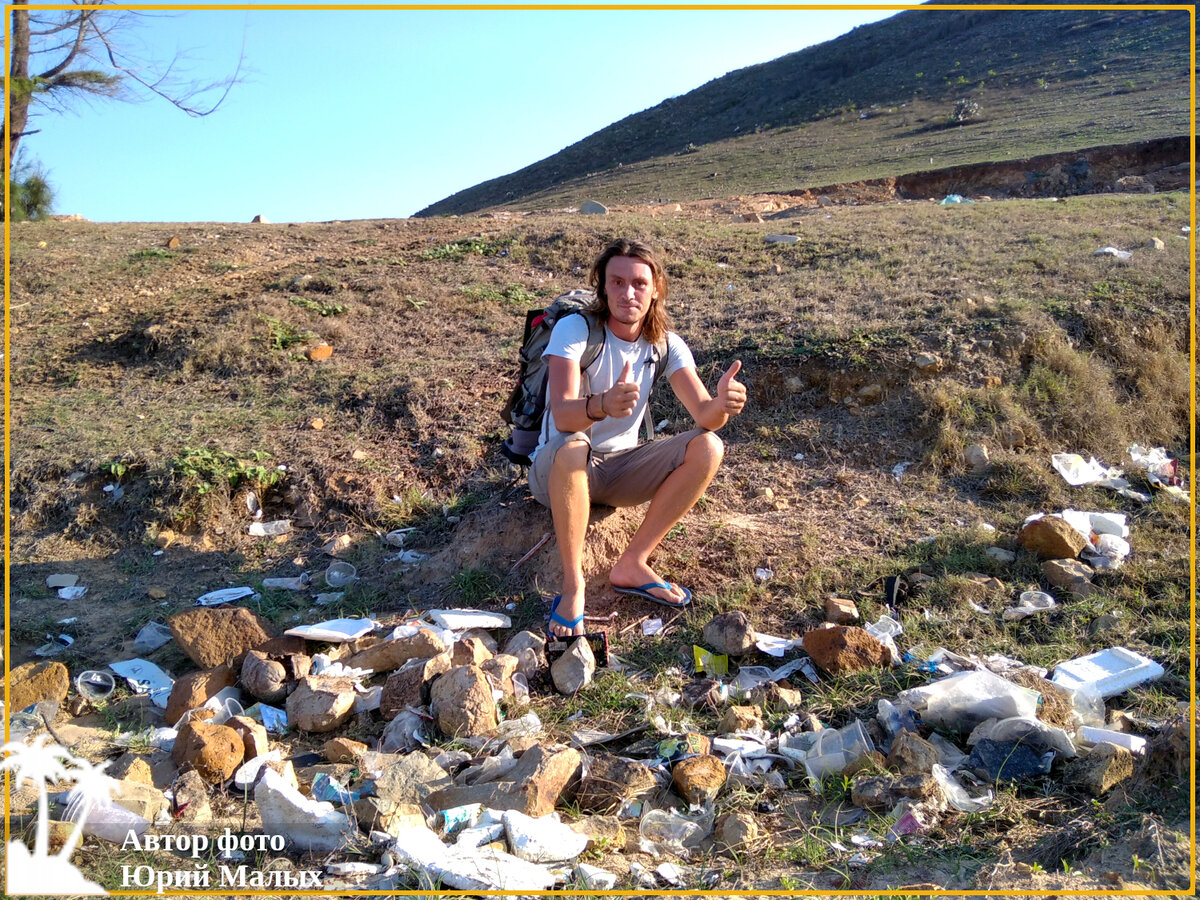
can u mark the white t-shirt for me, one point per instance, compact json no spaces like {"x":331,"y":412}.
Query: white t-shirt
{"x":569,"y":340}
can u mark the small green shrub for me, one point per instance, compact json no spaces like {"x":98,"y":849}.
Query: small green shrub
{"x":281,"y":335}
{"x":456,"y":250}
{"x":320,"y":307}
{"x":205,"y":469}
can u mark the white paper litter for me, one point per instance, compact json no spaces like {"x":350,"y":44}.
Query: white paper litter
{"x":73,"y":592}
{"x":224,"y":595}
{"x":145,"y":677}
{"x":652,"y":627}
{"x":776,"y":646}
{"x":338,"y":630}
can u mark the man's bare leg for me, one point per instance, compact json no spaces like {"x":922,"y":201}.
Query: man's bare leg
{"x":674,"y":498}
{"x":570,"y":505}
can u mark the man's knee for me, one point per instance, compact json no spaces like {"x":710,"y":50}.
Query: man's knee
{"x":572,"y":456}
{"x":706,"y":448}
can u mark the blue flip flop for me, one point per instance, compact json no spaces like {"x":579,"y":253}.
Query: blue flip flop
{"x":556,"y":618}
{"x":644,"y":593}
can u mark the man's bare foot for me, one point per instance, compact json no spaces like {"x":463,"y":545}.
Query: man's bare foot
{"x":628,"y":574}
{"x":568,"y":609}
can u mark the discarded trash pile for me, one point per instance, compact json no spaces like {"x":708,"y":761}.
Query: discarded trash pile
{"x":482,"y":811}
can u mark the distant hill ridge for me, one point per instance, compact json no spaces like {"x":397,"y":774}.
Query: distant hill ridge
{"x":1038,"y":60}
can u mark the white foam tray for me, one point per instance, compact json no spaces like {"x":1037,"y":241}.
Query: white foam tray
{"x":1108,"y":672}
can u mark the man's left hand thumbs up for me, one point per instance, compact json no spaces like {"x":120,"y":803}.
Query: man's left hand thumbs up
{"x":730,"y":391}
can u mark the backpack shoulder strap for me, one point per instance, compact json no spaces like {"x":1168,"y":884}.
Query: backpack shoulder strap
{"x":597,"y":335}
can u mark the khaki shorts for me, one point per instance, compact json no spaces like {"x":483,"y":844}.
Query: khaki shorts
{"x":621,"y":478}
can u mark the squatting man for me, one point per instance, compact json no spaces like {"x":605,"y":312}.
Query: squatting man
{"x":589,"y":450}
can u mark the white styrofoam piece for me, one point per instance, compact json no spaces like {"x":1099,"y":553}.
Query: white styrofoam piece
{"x":1130,"y":742}
{"x":337,"y":630}
{"x":462,"y":619}
{"x":1107,"y":672}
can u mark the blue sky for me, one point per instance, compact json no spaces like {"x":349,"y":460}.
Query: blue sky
{"x":347,"y":114}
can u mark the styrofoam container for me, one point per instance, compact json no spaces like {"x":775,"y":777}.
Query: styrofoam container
{"x":1108,"y":672}
{"x":1130,"y":742}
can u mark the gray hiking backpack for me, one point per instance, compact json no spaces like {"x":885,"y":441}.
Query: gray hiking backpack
{"x":526,"y":406}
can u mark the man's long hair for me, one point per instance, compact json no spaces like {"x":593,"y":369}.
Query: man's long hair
{"x":657,"y":321}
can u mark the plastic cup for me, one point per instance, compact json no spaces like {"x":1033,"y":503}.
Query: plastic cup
{"x":95,"y":686}
{"x":340,"y":574}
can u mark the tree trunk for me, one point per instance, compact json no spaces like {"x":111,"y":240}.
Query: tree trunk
{"x":20,"y":90}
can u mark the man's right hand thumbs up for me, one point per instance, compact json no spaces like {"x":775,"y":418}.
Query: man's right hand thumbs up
{"x":622,"y":397}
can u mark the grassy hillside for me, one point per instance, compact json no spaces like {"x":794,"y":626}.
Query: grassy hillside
{"x":180,"y":375}
{"x":1045,"y":81}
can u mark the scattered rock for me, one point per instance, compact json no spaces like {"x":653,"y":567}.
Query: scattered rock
{"x":730,"y":633}
{"x":751,"y":217}
{"x":977,"y":457}
{"x":131,"y":767}
{"x":1000,"y":555}
{"x":781,"y":239}
{"x":409,"y":685}
{"x":191,"y":799}
{"x":1012,"y":436}
{"x":1104,"y":766}
{"x":470,"y":652}
{"x":214,"y":751}
{"x":523,"y":639}
{"x":1155,"y":244}
{"x":703,"y":693}
{"x":740,"y":718}
{"x":699,"y":778}
{"x":1070,"y":575}
{"x":411,"y":780}
{"x":911,"y":754}
{"x":211,"y":636}
{"x":781,"y":696}
{"x":461,"y":701}
{"x":869,"y":393}
{"x":592,"y":208}
{"x":264,"y":678}
{"x":391,"y":654}
{"x":320,"y":703}
{"x":34,"y":682}
{"x":172,"y":244}
{"x":156,"y":593}
{"x":254,"y":736}
{"x":1051,"y":537}
{"x":259,"y":220}
{"x":882,"y":792}
{"x":992,"y":381}
{"x":845,"y":650}
{"x":501,"y":669}
{"x":143,"y":799}
{"x":194,"y":690}
{"x":542,"y":778}
{"x":735,"y":831}
{"x":611,"y":781}
{"x":840,"y":611}
{"x":604,"y":831}
{"x":483,"y":635}
{"x":928,"y":363}
{"x":776,"y":269}
{"x":343,"y":750}
{"x":573,"y":671}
